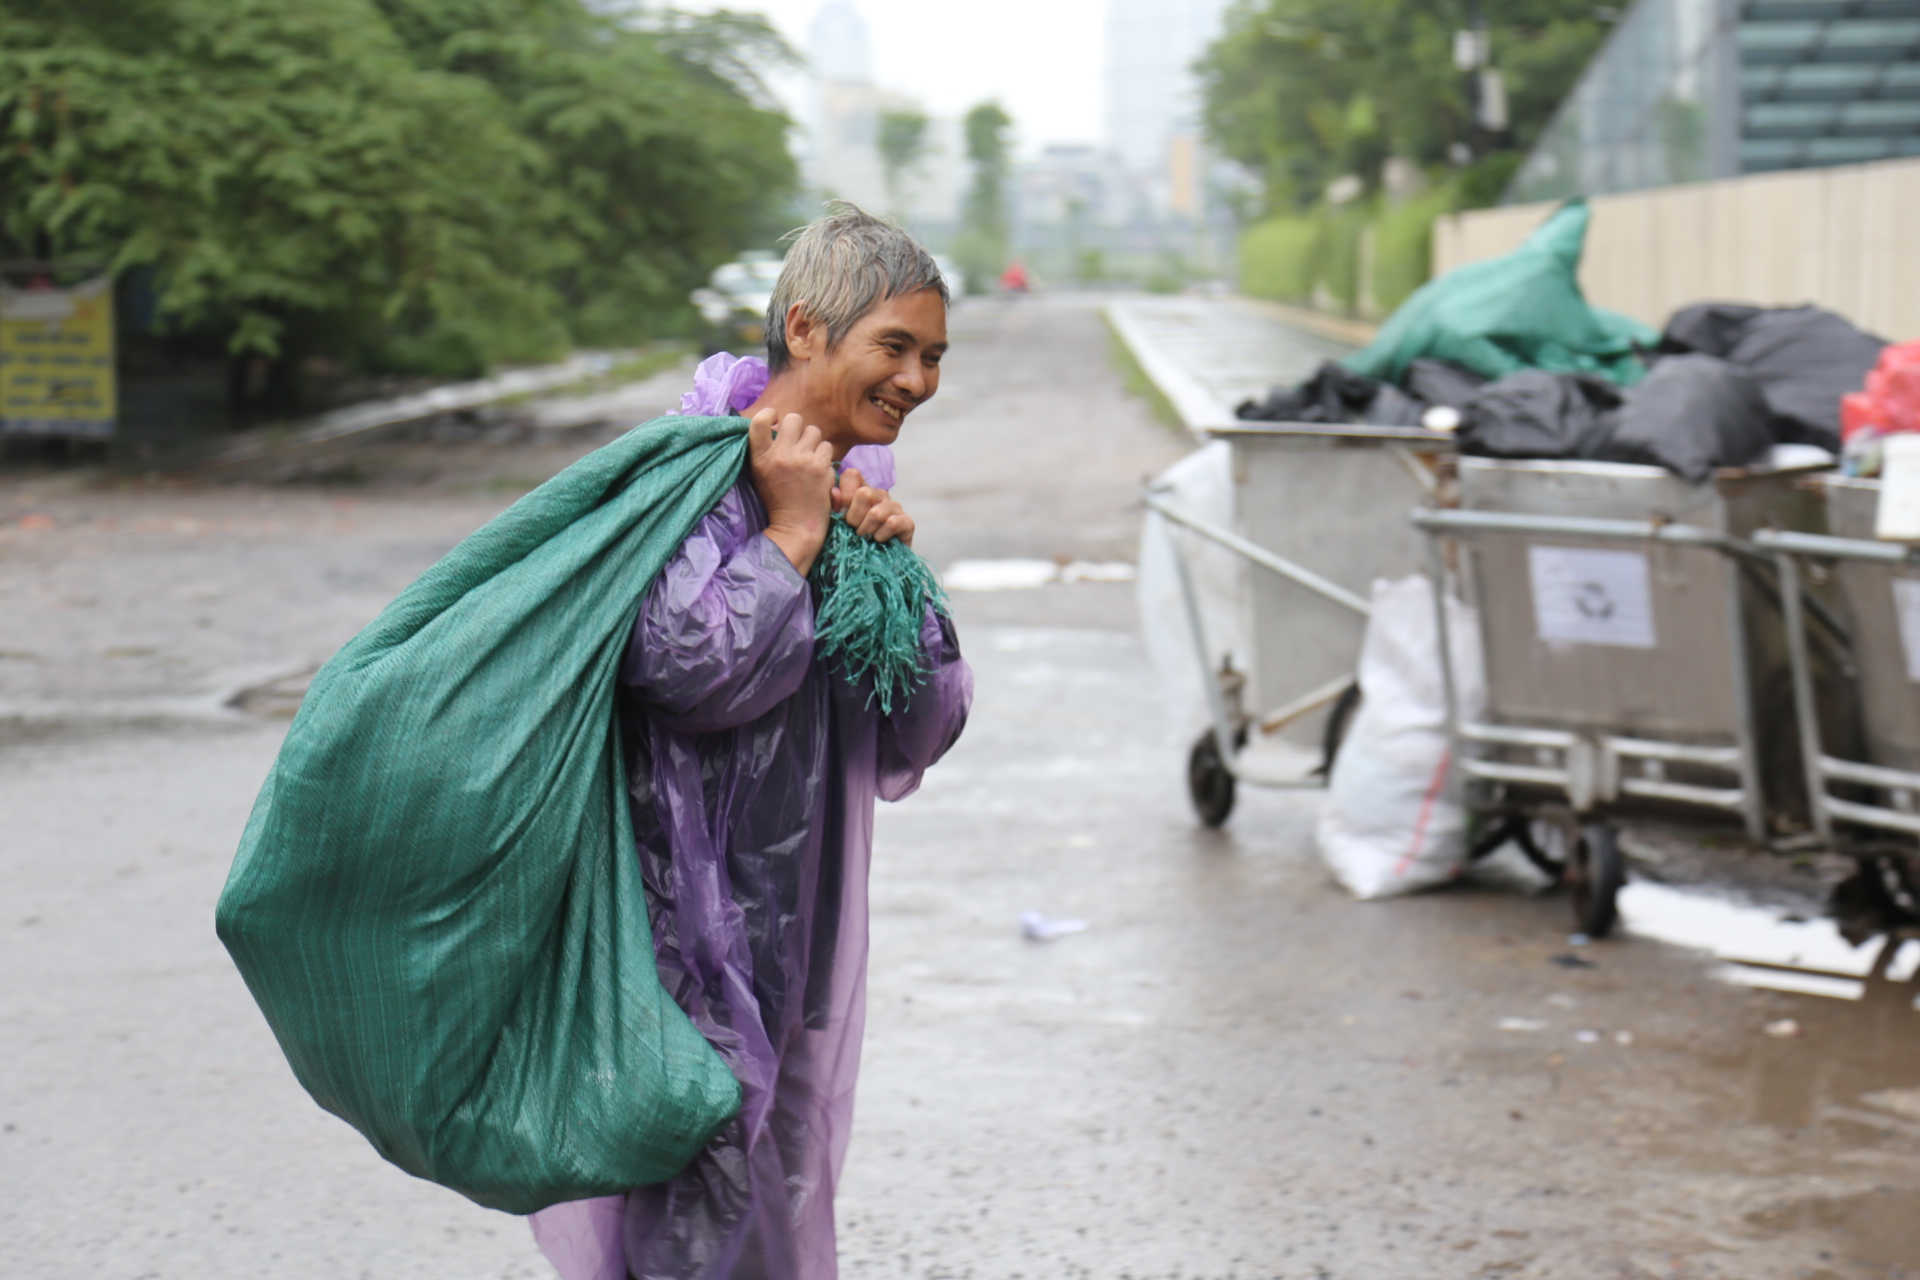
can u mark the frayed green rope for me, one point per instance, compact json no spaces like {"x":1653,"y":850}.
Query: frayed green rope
{"x":873,"y":600}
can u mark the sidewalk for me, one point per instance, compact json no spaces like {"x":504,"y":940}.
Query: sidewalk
{"x":1209,"y":354}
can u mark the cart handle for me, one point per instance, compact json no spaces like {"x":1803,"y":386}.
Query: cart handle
{"x":1828,"y":547}
{"x":1416,"y":436}
{"x":1455,"y":521}
{"x":1261,"y":556}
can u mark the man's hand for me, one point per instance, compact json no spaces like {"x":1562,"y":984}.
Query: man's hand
{"x":792,"y":470}
{"x":872,"y":513}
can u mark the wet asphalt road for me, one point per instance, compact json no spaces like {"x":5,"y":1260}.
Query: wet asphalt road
{"x":1234,"y":1072}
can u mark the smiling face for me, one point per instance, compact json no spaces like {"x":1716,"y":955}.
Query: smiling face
{"x":862,"y":390}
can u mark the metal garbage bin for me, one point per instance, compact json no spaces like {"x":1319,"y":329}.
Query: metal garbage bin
{"x":1318,"y":514}
{"x":1865,"y":791}
{"x":1879,"y":589}
{"x":1617,"y":607}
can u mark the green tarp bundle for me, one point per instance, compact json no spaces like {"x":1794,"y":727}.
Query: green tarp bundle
{"x":1523,"y":310}
{"x":436,"y":901}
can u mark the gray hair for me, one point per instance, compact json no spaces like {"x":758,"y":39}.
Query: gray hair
{"x":842,"y":265}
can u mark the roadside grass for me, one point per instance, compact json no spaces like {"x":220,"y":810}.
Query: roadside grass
{"x":647,"y":361}
{"x":628,"y":366}
{"x":1137,"y":383}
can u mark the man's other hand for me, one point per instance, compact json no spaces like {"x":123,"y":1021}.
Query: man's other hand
{"x":872,"y":513}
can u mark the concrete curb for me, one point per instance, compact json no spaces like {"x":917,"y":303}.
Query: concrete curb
{"x":343,"y":423}
{"x":1197,"y":407}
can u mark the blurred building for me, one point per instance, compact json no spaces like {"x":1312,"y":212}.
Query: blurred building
{"x":1687,"y":90}
{"x":1163,"y":213}
{"x":1071,"y":207}
{"x":841,"y":158}
{"x":1066,"y":183}
{"x":935,"y":187}
{"x":839,"y":46}
{"x":1153,"y":107}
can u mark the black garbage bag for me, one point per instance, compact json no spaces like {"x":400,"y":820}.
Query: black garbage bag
{"x":1332,"y":394}
{"x":1709,"y":328}
{"x":1437,"y":382}
{"x":1392,"y":407}
{"x":1336,"y":394}
{"x":1691,"y":414}
{"x":1535,"y":414}
{"x":1804,"y":358}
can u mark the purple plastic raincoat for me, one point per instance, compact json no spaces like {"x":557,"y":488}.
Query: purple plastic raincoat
{"x":753,"y":770}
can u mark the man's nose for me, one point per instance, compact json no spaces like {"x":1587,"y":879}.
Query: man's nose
{"x":912,"y":380}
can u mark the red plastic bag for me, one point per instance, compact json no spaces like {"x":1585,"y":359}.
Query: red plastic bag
{"x":1891,"y":400}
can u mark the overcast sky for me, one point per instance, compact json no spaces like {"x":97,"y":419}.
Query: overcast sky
{"x":1040,"y":58}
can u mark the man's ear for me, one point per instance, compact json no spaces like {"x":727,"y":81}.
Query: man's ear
{"x":805,"y":339}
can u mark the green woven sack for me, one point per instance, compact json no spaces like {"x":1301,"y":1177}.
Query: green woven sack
{"x":436,"y":902}
{"x":1522,"y":310}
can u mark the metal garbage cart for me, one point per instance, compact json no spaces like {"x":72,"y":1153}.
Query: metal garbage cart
{"x":1879,"y":586}
{"x":1318,"y":514}
{"x":1616,"y":607}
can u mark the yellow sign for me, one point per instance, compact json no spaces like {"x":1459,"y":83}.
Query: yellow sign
{"x":56,"y":360}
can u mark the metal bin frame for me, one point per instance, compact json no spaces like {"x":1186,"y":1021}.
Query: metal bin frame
{"x":1578,"y":775}
{"x":1215,"y":763}
{"x":1787,"y":549}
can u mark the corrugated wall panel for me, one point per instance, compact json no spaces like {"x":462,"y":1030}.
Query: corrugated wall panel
{"x":1844,"y":238}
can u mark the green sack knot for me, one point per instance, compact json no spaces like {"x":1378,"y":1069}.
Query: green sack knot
{"x":872,"y":601}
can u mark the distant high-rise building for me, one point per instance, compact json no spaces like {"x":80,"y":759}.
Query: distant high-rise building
{"x":838,"y":47}
{"x":842,"y":153}
{"x":1152,"y":104}
{"x":932,"y":193}
{"x":843,"y":161}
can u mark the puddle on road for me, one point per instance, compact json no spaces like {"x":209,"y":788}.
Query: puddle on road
{"x":1762,"y":947}
{"x":1838,"y":1083}
{"x":1874,"y":1228}
{"x":1027,"y":575}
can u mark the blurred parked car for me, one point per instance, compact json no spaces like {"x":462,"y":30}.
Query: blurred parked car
{"x":950,"y":272}
{"x":734,"y":303}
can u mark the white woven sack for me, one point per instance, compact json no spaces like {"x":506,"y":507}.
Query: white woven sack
{"x":1392,"y":821}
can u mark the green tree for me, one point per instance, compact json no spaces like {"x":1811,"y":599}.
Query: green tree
{"x":984,"y":231}
{"x":1305,"y":91}
{"x":903,"y":145}
{"x":438,"y":183}
{"x":664,"y":154}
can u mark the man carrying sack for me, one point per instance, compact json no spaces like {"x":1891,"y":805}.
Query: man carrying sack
{"x":558,"y":890}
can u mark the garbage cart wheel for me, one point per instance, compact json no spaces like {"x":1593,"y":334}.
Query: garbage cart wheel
{"x":1209,"y":781}
{"x":1543,"y":844}
{"x":1595,"y":872}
